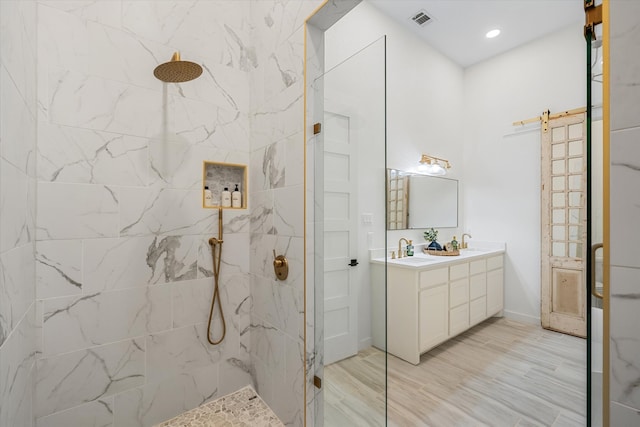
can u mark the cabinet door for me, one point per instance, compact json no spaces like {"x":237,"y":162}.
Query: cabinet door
{"x":434,"y":316}
{"x":495,"y":291}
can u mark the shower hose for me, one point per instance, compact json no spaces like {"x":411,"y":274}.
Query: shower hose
{"x":216,"y":252}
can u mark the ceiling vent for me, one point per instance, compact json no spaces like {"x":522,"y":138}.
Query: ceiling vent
{"x":421,"y":18}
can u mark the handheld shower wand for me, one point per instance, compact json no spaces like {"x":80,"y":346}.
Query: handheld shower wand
{"x":216,"y":253}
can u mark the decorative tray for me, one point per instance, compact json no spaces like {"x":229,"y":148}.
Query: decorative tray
{"x":441,"y":253}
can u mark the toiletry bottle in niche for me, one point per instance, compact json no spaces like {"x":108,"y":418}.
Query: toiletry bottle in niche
{"x":454,"y":244}
{"x":208,"y":198}
{"x":410,"y":248}
{"x":236,"y":198}
{"x":225,"y":198}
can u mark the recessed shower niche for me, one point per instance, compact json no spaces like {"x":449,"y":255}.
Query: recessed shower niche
{"x":216,"y":177}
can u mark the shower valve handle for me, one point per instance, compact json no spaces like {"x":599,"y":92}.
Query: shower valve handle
{"x":280,"y":266}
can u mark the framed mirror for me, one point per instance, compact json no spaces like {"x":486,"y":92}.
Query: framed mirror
{"x":420,"y":201}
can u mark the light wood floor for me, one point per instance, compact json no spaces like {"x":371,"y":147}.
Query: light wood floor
{"x":499,"y":373}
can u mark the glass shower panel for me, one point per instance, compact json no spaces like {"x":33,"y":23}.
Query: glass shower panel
{"x":595,"y":223}
{"x":349,"y":217}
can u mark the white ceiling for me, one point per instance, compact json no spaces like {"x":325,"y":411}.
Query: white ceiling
{"x":457,"y":27}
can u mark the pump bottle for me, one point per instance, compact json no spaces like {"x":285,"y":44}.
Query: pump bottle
{"x":208,"y":198}
{"x":225,"y":198}
{"x":236,"y":198}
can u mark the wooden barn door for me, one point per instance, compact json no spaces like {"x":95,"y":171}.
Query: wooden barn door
{"x":564,"y":220}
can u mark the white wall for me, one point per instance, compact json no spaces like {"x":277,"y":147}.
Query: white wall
{"x":502,"y":167}
{"x":424,"y":104}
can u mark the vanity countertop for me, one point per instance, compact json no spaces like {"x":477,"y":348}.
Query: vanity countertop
{"x":421,"y":260}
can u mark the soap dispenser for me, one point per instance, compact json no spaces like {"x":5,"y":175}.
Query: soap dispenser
{"x":236,"y":198}
{"x":208,"y":198}
{"x":410,"y":248}
{"x":225,"y":198}
{"x":454,"y":244}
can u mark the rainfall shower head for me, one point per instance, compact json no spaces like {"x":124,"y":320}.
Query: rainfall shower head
{"x":177,"y":71}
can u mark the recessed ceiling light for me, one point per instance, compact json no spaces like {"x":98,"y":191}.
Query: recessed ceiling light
{"x":493,"y":33}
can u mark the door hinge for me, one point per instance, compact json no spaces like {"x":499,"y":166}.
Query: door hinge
{"x":592,"y":17}
{"x":317,"y":381}
{"x":316,"y":128}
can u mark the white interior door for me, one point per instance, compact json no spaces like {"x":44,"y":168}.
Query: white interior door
{"x":340,"y":239}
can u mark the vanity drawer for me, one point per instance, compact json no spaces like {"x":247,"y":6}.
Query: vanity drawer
{"x":432,"y":278}
{"x":458,"y":271}
{"x":458,"y":319}
{"x":477,"y":286}
{"x":458,"y":292}
{"x":477,"y":310}
{"x":495,"y":262}
{"x":476,"y":267}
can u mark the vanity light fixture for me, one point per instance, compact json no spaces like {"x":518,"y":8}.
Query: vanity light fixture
{"x":433,"y":165}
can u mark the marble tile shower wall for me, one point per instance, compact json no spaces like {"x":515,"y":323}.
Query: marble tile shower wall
{"x":625,"y":213}
{"x":276,"y":199}
{"x":17,"y":211}
{"x":123,"y":267}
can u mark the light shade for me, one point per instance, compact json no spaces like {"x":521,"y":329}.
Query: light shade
{"x":493,"y":33}
{"x":433,"y":165}
{"x":436,"y":169}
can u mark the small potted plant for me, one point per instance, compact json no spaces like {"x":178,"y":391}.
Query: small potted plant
{"x":431,"y":236}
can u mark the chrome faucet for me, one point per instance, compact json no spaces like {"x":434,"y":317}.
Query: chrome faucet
{"x":464,"y":245}
{"x":400,"y":246}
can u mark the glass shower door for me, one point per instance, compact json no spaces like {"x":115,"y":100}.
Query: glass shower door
{"x":349,"y":221}
{"x":596,"y":234}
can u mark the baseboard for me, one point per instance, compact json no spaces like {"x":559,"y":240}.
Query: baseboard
{"x":524,"y":318}
{"x":365,"y":343}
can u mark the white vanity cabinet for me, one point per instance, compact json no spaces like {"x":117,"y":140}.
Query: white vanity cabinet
{"x":429,"y":304}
